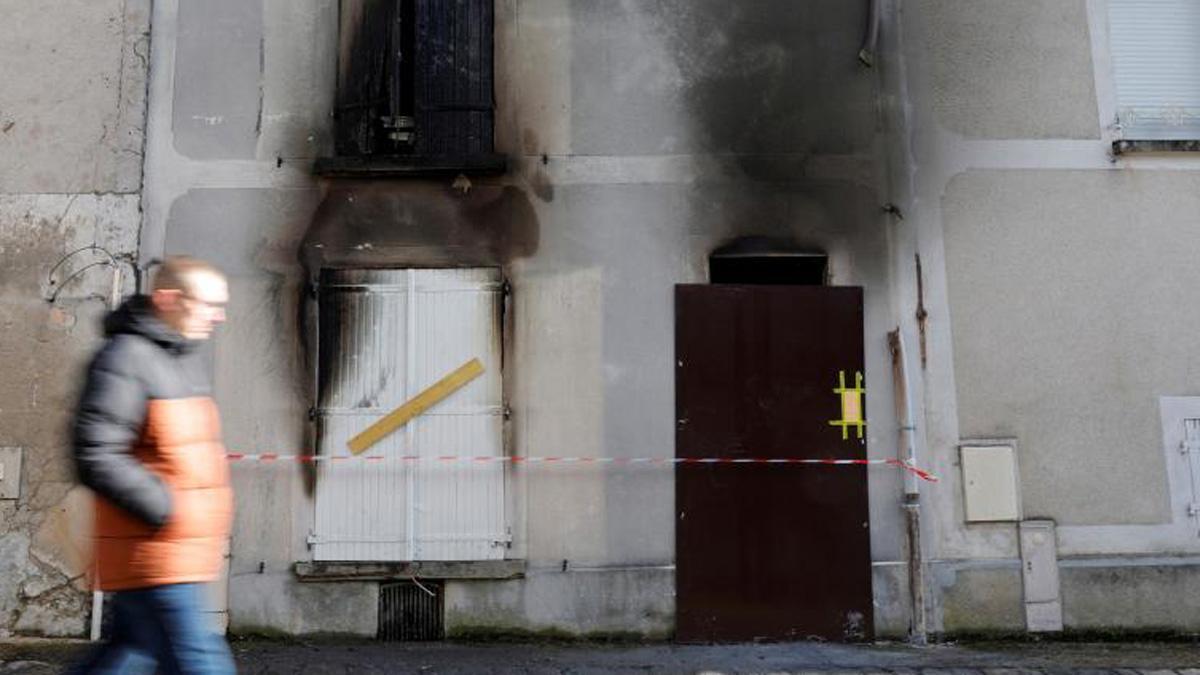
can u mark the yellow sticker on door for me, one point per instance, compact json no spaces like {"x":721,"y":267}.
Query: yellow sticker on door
{"x":852,"y":405}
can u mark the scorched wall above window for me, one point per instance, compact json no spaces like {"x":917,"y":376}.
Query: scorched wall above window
{"x":414,"y":89}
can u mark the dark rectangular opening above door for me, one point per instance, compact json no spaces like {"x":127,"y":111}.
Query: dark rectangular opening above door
{"x":790,"y":270}
{"x":759,"y":260}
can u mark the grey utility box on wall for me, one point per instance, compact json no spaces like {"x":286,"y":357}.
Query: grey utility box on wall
{"x":1039,"y":575}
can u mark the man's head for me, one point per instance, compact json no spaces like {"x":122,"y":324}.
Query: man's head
{"x":189,"y":296}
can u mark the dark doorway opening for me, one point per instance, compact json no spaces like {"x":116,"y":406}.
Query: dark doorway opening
{"x":762,"y":261}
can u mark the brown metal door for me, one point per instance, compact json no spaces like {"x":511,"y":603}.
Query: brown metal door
{"x":769,"y":551}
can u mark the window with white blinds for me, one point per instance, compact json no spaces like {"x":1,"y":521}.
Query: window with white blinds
{"x":1155,"y":47}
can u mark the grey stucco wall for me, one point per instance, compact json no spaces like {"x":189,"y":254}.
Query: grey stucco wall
{"x":977,"y":597}
{"x":599,"y":603}
{"x":756,"y":77}
{"x":1068,"y":292}
{"x":1020,"y":69}
{"x":71,"y":124}
{"x":1154,"y":595}
{"x":218,"y":109}
{"x":1099,"y":595}
{"x":1055,"y":276}
{"x":73,"y":102}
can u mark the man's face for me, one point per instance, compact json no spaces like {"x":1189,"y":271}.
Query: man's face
{"x":196,"y":311}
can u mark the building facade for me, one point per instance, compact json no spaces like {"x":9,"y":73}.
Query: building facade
{"x":1016,"y":214}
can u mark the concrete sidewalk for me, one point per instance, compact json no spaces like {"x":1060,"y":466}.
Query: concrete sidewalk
{"x":990,"y":658}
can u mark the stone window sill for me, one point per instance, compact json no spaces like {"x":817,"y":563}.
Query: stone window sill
{"x":410,"y":166}
{"x":372,"y":571}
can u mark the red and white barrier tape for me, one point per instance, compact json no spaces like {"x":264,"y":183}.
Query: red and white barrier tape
{"x":467,"y":459}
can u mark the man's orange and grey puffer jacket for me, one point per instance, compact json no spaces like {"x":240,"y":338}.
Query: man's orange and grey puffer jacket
{"x":147,"y":441}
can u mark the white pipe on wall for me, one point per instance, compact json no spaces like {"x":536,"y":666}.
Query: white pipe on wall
{"x":907,"y":452}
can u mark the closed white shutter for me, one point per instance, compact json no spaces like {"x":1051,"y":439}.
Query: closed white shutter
{"x":1155,"y":46}
{"x":385,"y":336}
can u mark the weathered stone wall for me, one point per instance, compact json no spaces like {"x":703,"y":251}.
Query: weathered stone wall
{"x":72,"y":107}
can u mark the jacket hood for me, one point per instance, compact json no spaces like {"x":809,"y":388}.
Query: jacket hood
{"x":136,"y":317}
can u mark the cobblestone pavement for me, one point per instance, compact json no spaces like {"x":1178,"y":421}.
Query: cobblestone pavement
{"x":991,"y":658}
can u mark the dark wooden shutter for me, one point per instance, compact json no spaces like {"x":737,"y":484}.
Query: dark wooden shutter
{"x":453,"y":78}
{"x":366,"y":75}
{"x":414,"y":89}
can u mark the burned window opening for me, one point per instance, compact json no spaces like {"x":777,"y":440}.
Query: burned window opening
{"x":415,"y":89}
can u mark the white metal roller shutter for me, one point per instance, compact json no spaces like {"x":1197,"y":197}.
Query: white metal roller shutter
{"x":1155,"y":47}
{"x":385,"y":336}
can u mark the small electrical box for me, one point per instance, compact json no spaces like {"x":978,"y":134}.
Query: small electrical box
{"x":989,"y":474}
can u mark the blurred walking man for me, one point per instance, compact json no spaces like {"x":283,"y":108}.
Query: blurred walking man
{"x":148,"y":444}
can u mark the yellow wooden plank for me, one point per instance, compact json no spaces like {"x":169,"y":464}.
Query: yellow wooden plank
{"x":416,"y":405}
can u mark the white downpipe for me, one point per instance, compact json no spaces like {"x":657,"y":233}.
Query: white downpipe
{"x":907,"y":452}
{"x":904,"y":412}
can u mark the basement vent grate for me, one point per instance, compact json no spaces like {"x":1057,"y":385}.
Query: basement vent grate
{"x":409,"y":612}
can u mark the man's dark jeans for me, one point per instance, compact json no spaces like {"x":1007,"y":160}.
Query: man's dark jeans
{"x":165,"y":626}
